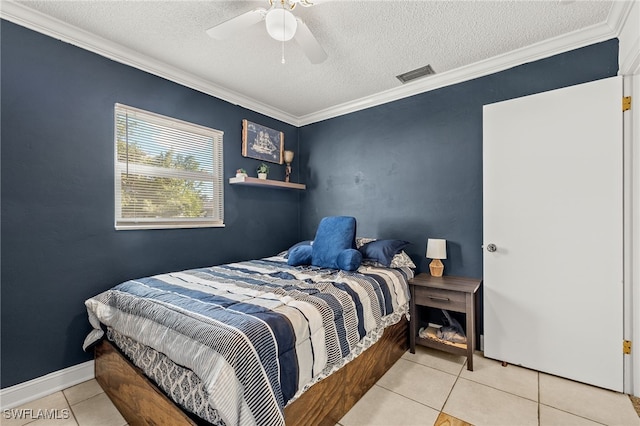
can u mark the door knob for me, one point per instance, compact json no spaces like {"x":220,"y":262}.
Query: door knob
{"x":491,"y":248}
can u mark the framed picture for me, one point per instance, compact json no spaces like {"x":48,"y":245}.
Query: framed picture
{"x":261,"y":142}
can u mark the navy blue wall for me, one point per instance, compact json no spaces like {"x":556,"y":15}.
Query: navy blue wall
{"x":59,"y":246}
{"x":412,"y":169}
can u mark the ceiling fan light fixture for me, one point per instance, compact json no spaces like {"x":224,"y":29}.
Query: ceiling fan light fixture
{"x":281,"y":24}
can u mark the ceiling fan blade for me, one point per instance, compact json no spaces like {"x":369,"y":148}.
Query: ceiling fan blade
{"x":308,"y":3}
{"x":233,"y":26}
{"x":308,"y":43}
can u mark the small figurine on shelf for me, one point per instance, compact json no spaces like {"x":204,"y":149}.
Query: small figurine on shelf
{"x":262,"y":171}
{"x":241,"y":173}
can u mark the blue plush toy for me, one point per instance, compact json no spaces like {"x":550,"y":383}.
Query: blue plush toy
{"x":333,"y":246}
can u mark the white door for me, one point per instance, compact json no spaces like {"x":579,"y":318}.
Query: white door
{"x":552,"y":206}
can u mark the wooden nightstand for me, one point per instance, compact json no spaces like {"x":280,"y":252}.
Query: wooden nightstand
{"x":451,"y":293}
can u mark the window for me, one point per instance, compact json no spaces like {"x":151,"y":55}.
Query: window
{"x":168,"y":173}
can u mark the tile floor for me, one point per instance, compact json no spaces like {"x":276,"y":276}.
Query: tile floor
{"x":426,"y":388}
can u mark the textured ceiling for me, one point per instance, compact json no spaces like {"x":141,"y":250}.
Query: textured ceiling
{"x":368,"y":42}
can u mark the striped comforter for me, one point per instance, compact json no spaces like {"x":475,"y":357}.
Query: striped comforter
{"x":257,"y":333}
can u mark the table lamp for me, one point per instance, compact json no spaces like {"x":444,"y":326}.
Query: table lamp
{"x":436,"y":250}
{"x":288,"y":158}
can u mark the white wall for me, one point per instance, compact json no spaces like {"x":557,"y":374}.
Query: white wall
{"x":629,"y":60}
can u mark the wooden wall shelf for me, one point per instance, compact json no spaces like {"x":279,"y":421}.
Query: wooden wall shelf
{"x":251,"y":181}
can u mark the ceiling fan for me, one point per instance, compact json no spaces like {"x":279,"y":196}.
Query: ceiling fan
{"x":281,"y":24}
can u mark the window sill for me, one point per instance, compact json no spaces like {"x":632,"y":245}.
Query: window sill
{"x":139,"y":226}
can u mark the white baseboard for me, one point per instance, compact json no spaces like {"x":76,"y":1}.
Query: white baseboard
{"x":23,"y":393}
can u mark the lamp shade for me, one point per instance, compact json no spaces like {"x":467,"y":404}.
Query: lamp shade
{"x":436,"y":248}
{"x":288,"y":156}
{"x":281,"y":24}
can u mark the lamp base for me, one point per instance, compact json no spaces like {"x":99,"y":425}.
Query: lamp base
{"x":287,"y":176}
{"x":436,"y":268}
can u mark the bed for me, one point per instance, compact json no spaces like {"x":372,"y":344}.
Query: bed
{"x":253,"y":342}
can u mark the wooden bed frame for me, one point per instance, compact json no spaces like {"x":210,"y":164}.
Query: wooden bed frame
{"x":141,"y":402}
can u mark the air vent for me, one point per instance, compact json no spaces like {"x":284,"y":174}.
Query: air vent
{"x":414,"y":74}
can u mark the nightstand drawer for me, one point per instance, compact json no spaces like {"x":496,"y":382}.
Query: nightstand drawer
{"x":443,"y":299}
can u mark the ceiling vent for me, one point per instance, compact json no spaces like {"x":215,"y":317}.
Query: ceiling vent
{"x":414,"y":74}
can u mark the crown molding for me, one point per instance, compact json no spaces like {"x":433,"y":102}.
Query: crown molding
{"x":619,"y":14}
{"x":55,"y":28}
{"x":60,"y":30}
{"x":631,"y":64}
{"x":628,"y":24}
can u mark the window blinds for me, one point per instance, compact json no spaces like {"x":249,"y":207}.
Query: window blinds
{"x":168,"y":173}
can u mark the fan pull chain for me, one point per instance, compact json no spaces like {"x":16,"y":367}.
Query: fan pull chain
{"x":283,"y":61}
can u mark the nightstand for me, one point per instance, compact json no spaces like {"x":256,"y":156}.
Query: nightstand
{"x":451,"y":293}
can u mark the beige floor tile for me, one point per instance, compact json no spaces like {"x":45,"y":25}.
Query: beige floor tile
{"x":418,"y":382}
{"x":513,"y":379}
{"x":60,"y":420}
{"x":98,"y":411}
{"x":482,"y":405}
{"x":597,"y":404}
{"x":443,"y":361}
{"x":54,"y":405}
{"x":550,"y":416}
{"x":82,"y":391}
{"x":380,"y":406}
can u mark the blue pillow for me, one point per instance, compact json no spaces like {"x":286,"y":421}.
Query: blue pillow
{"x":349,"y":260}
{"x":382,"y":251}
{"x":300,"y":255}
{"x":334,"y":234}
{"x":301,"y":243}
